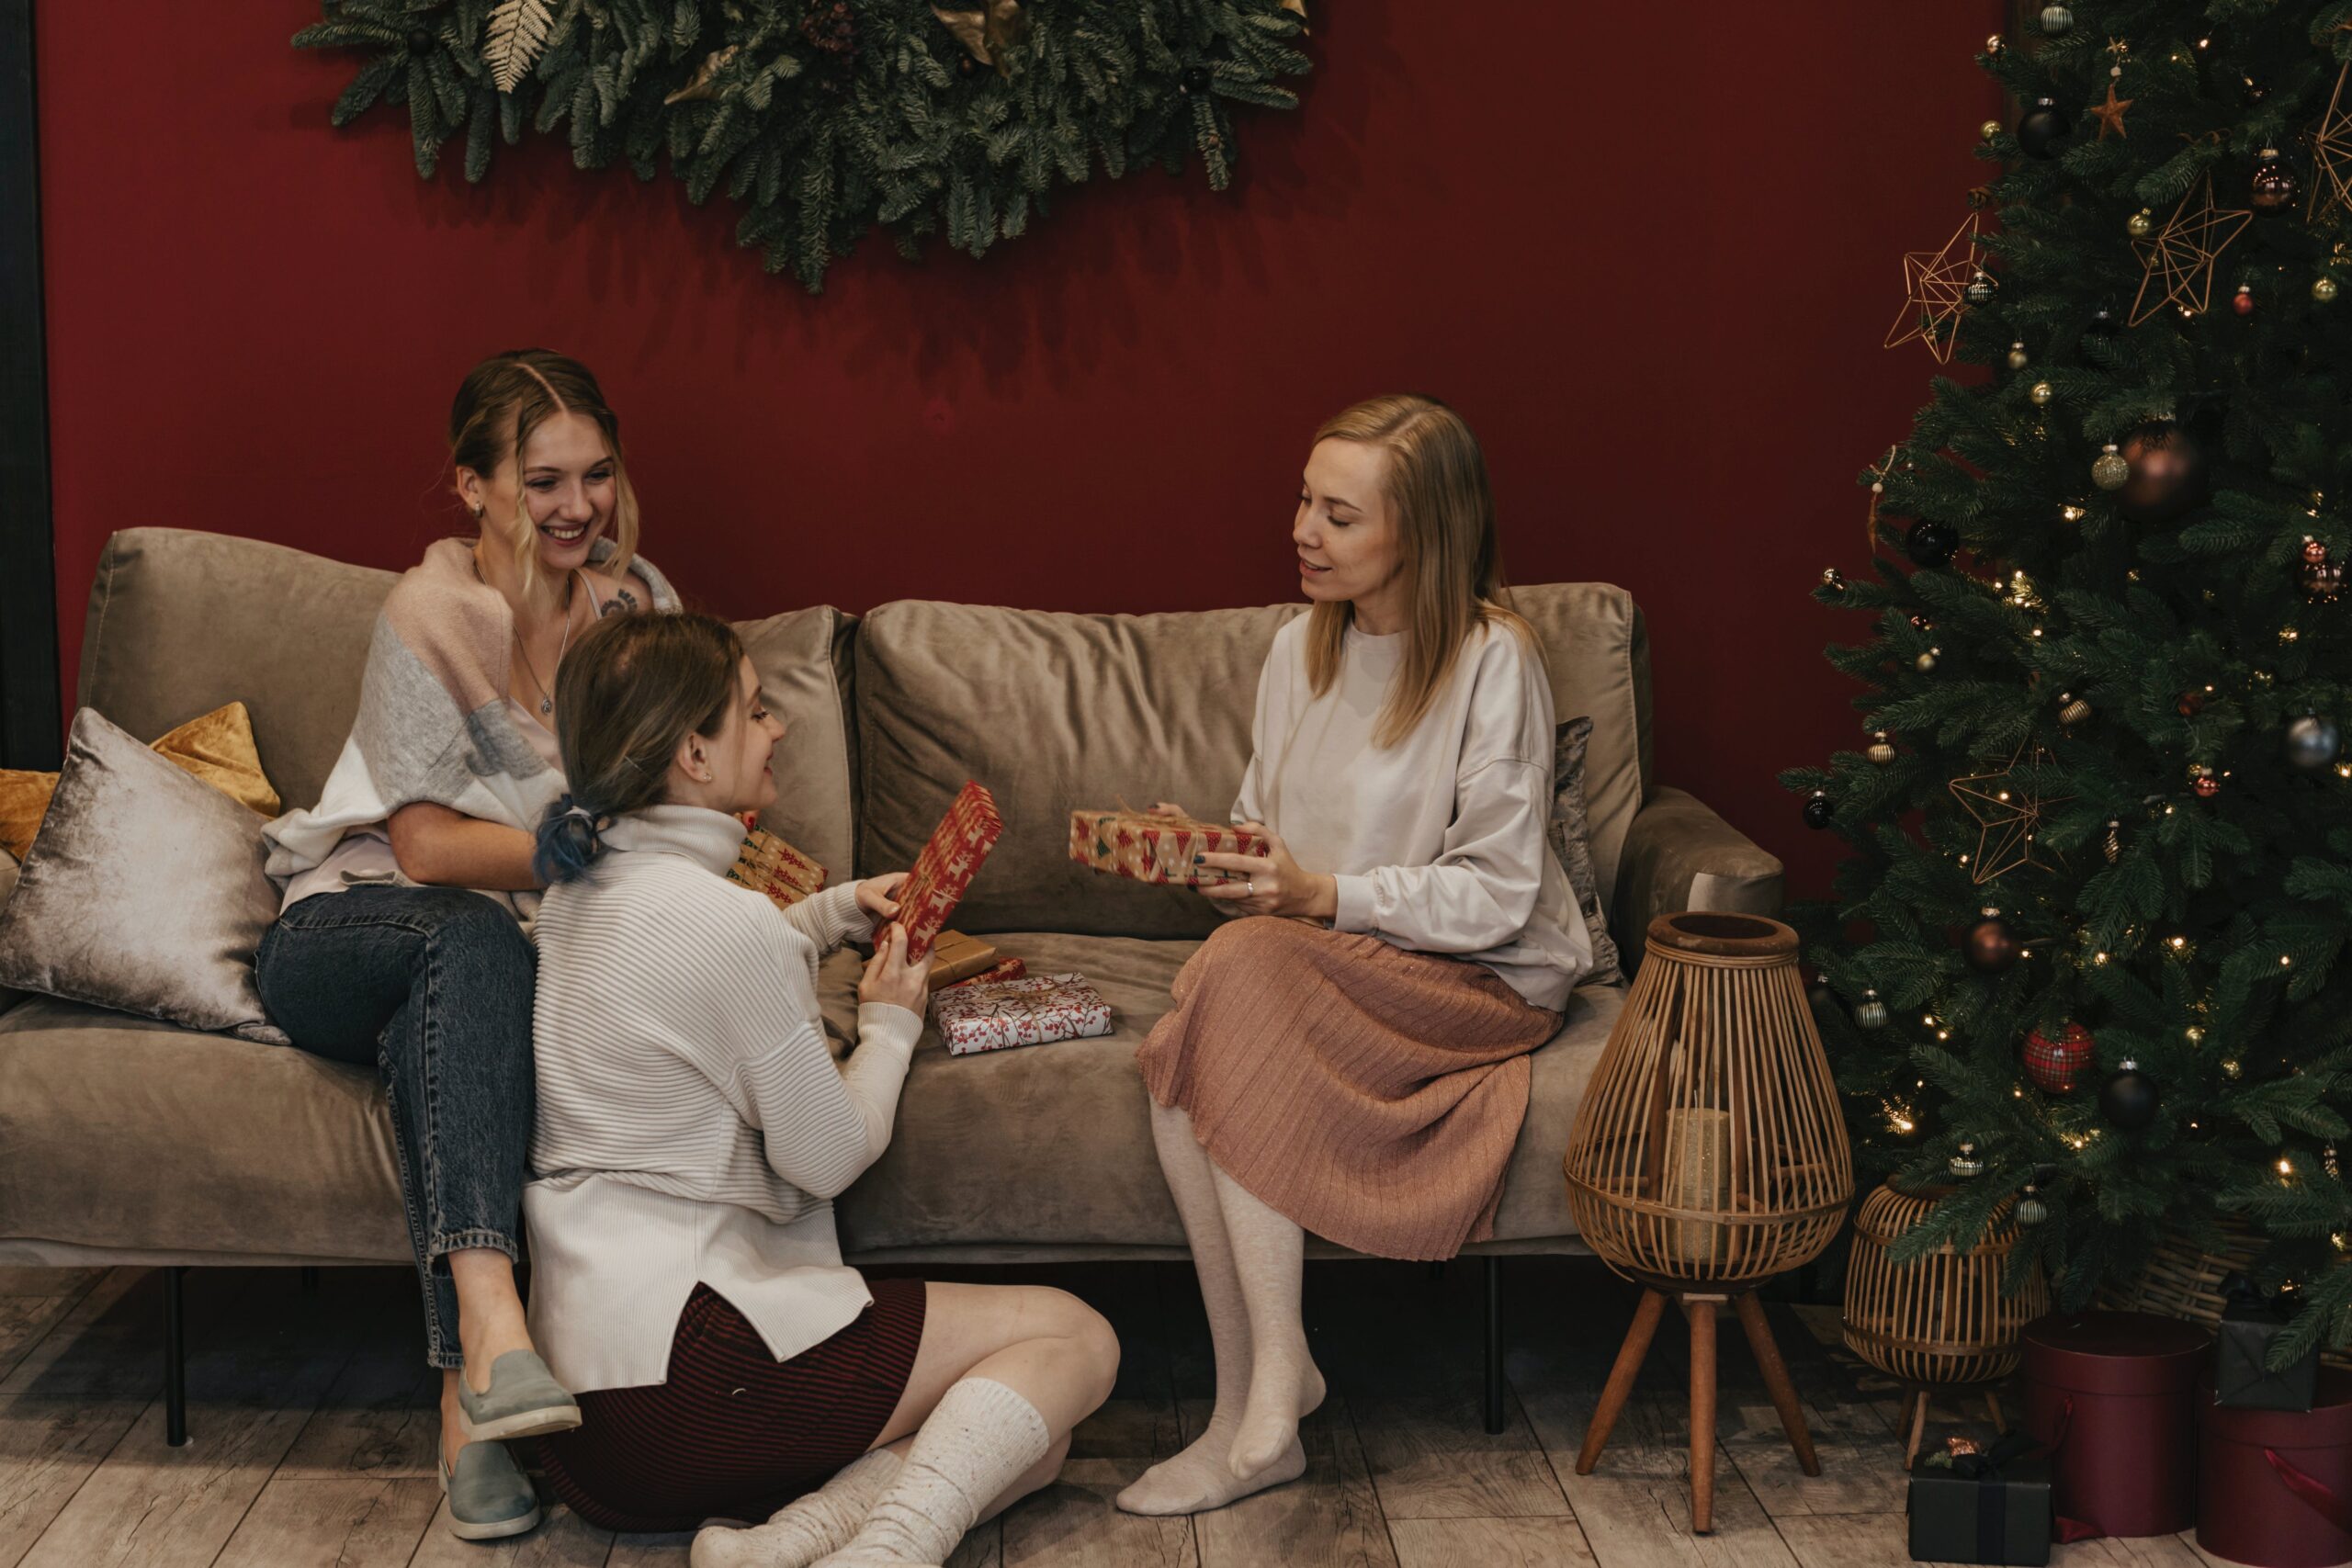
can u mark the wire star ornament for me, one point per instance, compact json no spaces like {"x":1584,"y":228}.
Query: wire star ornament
{"x":2330,"y":144}
{"x":2007,"y":806}
{"x":2184,"y":251}
{"x":1935,"y":293}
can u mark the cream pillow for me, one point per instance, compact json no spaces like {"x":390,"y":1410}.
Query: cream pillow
{"x":144,"y":891}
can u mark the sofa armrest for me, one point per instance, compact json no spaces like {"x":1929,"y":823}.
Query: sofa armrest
{"x":1680,"y":855}
{"x":8,"y":999}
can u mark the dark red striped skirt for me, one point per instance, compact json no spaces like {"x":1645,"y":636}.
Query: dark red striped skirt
{"x":736,"y":1434}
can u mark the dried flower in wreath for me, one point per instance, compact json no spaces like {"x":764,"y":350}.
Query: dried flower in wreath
{"x":515,"y":37}
{"x":989,"y":31}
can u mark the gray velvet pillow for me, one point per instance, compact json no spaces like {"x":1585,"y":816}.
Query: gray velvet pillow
{"x":8,"y":997}
{"x":1572,"y":843}
{"x":144,"y":892}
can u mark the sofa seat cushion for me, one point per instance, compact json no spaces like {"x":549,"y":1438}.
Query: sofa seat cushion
{"x":122,"y":1132}
{"x":1050,"y":1145}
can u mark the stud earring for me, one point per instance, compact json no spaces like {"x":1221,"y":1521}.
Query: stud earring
{"x":478,"y":510}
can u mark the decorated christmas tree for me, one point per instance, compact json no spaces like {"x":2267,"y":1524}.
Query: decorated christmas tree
{"x":2085,"y":960}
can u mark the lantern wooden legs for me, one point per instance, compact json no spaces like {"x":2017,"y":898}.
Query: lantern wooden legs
{"x":1699,"y":1307}
{"x":1915,"y":1417}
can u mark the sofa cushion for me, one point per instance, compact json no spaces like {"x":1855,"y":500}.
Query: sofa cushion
{"x":1054,"y":711}
{"x":1051,"y":1145}
{"x":124,"y":1133}
{"x":182,"y":622}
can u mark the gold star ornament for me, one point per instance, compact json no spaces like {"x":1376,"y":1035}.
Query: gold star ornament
{"x":2178,"y":259}
{"x":2331,"y":142}
{"x":1935,"y":288}
{"x":2110,"y":114}
{"x":2008,"y":806}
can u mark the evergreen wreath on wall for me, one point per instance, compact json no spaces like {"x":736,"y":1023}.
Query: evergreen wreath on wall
{"x":827,"y":118}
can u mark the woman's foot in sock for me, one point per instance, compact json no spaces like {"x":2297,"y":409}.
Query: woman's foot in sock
{"x":798,"y":1535}
{"x":1284,"y":1389}
{"x":1202,"y":1477}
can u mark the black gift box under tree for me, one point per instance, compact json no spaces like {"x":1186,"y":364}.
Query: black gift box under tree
{"x":1987,"y":1508}
{"x":2250,"y":1325}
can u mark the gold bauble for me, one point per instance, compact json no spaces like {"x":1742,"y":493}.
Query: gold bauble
{"x":1994,"y":45}
{"x":1882,"y":750}
{"x":2324,"y":290}
{"x":2073,"y":710}
{"x":1927,"y":661}
{"x":1989,"y":129}
{"x":2041,"y":394}
{"x":2111,"y":469}
{"x":2019,"y":359}
{"x":2140,"y":224}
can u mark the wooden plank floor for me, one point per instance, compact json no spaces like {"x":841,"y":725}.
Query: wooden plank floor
{"x":312,"y":1419}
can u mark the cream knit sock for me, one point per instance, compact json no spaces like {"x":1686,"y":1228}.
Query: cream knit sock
{"x":980,"y":1439}
{"x":825,"y":1520}
{"x":1269,"y":1257}
{"x":1202,"y":1476}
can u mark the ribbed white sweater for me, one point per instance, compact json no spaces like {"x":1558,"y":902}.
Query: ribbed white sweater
{"x":692,"y":1127}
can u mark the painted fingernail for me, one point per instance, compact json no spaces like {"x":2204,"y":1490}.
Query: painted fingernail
{"x":1200,"y":860}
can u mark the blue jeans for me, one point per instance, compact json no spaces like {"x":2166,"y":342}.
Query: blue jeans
{"x":432,"y":986}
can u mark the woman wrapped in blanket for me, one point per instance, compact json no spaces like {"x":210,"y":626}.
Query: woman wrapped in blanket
{"x":1349,"y":1054}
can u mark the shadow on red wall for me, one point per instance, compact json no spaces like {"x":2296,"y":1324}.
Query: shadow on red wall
{"x":1650,"y":262}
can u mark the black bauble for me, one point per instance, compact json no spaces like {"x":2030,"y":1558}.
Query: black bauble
{"x":1817,"y":810}
{"x":2044,"y":130}
{"x":2313,"y":742}
{"x":2129,"y":1099}
{"x":1195,"y":79}
{"x":1931,"y":543}
{"x":2102,"y":323}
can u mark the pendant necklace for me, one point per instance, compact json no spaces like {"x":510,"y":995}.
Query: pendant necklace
{"x":547,"y":699}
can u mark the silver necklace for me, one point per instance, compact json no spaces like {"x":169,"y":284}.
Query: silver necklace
{"x":547,"y":699}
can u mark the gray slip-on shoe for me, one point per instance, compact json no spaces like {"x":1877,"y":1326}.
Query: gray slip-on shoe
{"x":524,"y":1401}
{"x":489,"y":1498}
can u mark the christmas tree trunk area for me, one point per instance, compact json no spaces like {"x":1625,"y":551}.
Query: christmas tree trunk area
{"x":2085,"y":957}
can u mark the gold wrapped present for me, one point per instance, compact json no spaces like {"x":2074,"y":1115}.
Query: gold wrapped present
{"x":1145,"y":848}
{"x":767,"y":864}
{"x":954,"y":956}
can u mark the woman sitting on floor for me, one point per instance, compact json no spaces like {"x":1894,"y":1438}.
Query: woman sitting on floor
{"x":1353,"y":1059}
{"x":693,"y":1130}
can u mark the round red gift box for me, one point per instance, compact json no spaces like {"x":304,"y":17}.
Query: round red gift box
{"x":2275,"y":1486}
{"x":2112,"y":1396}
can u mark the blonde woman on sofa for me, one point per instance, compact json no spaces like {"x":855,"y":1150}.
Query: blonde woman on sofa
{"x":693,"y":1132}
{"x":1349,"y":1055}
{"x":400,"y":945}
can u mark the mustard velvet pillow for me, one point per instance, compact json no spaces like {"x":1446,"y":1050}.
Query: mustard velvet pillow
{"x":216,"y":748}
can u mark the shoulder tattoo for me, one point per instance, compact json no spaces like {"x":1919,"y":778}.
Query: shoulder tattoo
{"x":620,"y":603}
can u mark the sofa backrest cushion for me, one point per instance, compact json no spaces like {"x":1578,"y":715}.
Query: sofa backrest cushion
{"x":1054,"y":712}
{"x":182,"y":622}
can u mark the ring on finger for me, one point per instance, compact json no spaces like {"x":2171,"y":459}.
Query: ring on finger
{"x":1249,"y":886}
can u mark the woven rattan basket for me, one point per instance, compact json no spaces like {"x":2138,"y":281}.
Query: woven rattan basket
{"x":1939,"y":1320}
{"x":2183,"y":1279}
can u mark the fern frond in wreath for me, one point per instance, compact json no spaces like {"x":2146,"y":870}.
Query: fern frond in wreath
{"x":825,"y":118}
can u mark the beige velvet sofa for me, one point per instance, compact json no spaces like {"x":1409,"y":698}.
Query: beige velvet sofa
{"x":125,"y":1141}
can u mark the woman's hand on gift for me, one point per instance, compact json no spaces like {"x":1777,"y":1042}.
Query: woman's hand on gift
{"x":878,"y":895}
{"x":1272,"y":884}
{"x":889,"y":978}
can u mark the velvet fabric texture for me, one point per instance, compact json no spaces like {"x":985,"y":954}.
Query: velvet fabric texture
{"x":1570,"y":838}
{"x":145,"y":892}
{"x":217,"y":747}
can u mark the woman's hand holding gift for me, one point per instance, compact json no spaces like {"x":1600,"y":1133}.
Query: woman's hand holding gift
{"x":889,"y":978}
{"x":1272,"y":884}
{"x":878,"y":895}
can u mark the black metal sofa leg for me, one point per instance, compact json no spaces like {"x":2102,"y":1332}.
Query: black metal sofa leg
{"x":1494,"y":1400}
{"x":174,"y":1357}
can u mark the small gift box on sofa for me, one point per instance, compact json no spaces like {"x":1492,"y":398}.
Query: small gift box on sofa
{"x":2275,"y":1486}
{"x":1031,"y":1011}
{"x":2251,"y":1324}
{"x":1145,"y":848}
{"x":1992,"y":1507}
{"x":767,"y":864}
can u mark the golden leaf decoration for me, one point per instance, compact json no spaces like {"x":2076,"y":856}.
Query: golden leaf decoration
{"x":518,"y":33}
{"x":1299,"y":9}
{"x":704,"y":73}
{"x":986,"y":30}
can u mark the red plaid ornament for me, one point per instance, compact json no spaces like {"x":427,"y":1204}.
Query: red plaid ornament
{"x":2059,"y":1067}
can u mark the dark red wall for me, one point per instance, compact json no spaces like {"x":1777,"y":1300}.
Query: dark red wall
{"x":1651,"y":261}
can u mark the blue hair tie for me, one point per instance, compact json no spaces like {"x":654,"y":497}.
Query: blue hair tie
{"x":569,"y":838}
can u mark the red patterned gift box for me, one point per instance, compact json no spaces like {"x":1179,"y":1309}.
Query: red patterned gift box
{"x":1009,"y":969}
{"x":767,"y":864}
{"x":1145,"y":848}
{"x":958,"y":847}
{"x":1031,"y":1011}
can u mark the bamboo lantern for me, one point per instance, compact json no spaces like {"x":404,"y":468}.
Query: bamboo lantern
{"x":1709,"y":1155}
{"x":1939,"y":1321}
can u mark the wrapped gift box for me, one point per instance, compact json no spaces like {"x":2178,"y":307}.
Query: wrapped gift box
{"x":957,"y":849}
{"x":2243,"y":1379}
{"x":1005,"y":969}
{"x":1145,"y":848}
{"x":2111,"y":1395}
{"x":1987,"y":1508}
{"x":1031,"y":1011}
{"x":767,"y":864}
{"x":956,"y":957}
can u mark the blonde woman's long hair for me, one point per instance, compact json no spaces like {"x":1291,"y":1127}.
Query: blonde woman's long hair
{"x":1435,"y":480}
{"x":508,"y":396}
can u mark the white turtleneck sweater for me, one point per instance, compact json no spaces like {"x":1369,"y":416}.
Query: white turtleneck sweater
{"x":692,"y":1127}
